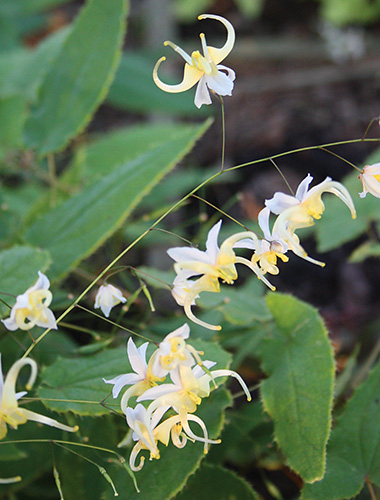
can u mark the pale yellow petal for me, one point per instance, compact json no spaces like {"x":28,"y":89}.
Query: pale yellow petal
{"x":216,"y":54}
{"x":191,"y":76}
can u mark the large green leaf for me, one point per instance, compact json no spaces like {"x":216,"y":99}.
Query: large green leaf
{"x":18,"y":271}
{"x":298,"y":392}
{"x":81,"y":379}
{"x":162,"y":479}
{"x":12,"y":117}
{"x":134,"y":90}
{"x":353,"y":454}
{"x":75,"y":229}
{"x":22,"y":71}
{"x":216,"y":483}
{"x":79,"y":77}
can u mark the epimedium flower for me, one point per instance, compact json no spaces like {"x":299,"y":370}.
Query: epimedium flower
{"x":205,"y":69}
{"x":211,"y":265}
{"x":173,"y":351}
{"x":299,"y":211}
{"x":10,"y":412}
{"x":185,"y":393}
{"x":147,"y":431}
{"x":370,"y":179}
{"x":32,"y":307}
{"x":108,"y":296}
{"x":140,"y":381}
{"x":268,"y":249}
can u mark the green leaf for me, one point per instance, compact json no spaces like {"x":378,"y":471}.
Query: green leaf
{"x":251,"y":8}
{"x":188,"y":11}
{"x":134,"y":90}
{"x":22,"y":71}
{"x":82,"y":378}
{"x":75,"y":229}
{"x":12,"y":118}
{"x":18,"y":271}
{"x":162,"y":479}
{"x":354,"y":448}
{"x":364,"y":251}
{"x":298,"y":392}
{"x":79,"y":77}
{"x":351,"y":11}
{"x":216,"y":483}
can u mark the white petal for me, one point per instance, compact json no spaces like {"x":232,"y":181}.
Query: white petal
{"x":202,"y":95}
{"x":188,"y":254}
{"x":156,"y":392}
{"x":121,"y":381}
{"x":221,"y":84}
{"x":183,"y":332}
{"x":303,"y":187}
{"x":230,"y":72}
{"x":281,"y":202}
{"x":137,"y":362}
{"x":263,"y":219}
{"x":212,"y":247}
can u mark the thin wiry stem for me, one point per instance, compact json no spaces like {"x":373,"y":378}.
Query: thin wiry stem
{"x":113,"y":323}
{"x":172,"y":209}
{"x":341,"y":158}
{"x":282,"y":175}
{"x":375,"y":119}
{"x":221,"y":211}
{"x":223,"y":132}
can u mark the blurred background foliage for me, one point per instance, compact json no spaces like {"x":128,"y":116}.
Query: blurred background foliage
{"x":307,"y":73}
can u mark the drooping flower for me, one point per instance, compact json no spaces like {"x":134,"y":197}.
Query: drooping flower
{"x":370,"y":179}
{"x":211,"y":265}
{"x":299,"y":211}
{"x":147,"y":431}
{"x":205,"y":69}
{"x":140,"y":381}
{"x":10,"y":412}
{"x":108,"y":296}
{"x":270,"y":248}
{"x":32,"y":307}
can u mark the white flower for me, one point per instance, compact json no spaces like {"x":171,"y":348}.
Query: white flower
{"x":270,"y":248}
{"x":140,"y":381}
{"x":108,"y":296}
{"x":10,"y":413}
{"x":203,"y":69}
{"x":173,"y":351}
{"x":33,"y":306}
{"x":370,"y":179}
{"x":295,"y":212}
{"x":211,"y":265}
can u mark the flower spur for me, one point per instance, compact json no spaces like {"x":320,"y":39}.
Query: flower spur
{"x":10,"y":413}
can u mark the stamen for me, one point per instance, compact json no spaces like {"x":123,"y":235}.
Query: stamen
{"x":180,"y":51}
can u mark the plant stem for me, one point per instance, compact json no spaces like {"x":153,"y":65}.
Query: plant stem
{"x":172,"y":209}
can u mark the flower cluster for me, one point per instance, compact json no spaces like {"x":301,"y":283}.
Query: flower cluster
{"x":177,"y":400}
{"x":10,"y":412}
{"x":214,"y":264}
